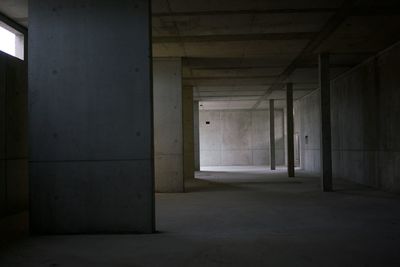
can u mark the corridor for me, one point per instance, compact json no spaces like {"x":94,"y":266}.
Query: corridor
{"x":241,"y":216}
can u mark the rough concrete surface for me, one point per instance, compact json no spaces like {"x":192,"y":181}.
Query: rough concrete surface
{"x":188,"y":133}
{"x":168,"y":132}
{"x":308,"y":123}
{"x":13,"y":147}
{"x":90,"y":117}
{"x":241,"y":216}
{"x":239,"y":137}
{"x":196,"y":137}
{"x":365,"y":124}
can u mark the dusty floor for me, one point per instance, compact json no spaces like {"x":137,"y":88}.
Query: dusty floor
{"x":241,"y":217}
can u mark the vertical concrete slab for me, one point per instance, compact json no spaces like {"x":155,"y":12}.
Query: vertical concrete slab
{"x":236,"y":138}
{"x":364,"y":123}
{"x":90,"y":117}
{"x":290,"y":129}
{"x":3,"y":189}
{"x":280,"y":139}
{"x":13,"y":147}
{"x":188,"y":133}
{"x":168,"y":143}
{"x":239,"y":137}
{"x":17,"y":110}
{"x":326,"y":146}
{"x":310,"y":130}
{"x":259,"y":141}
{"x":387,"y":84}
{"x":3,"y":107}
{"x":272,"y":134}
{"x":17,"y":185}
{"x":196,"y":133}
{"x":3,"y":182}
{"x":210,"y":138}
{"x":284,"y":143}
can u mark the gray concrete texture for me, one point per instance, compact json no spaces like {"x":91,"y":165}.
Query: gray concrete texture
{"x":196,"y":133}
{"x":90,"y":117}
{"x":188,"y":133}
{"x":168,"y":132}
{"x":365,"y":124}
{"x":325,"y":109}
{"x":307,"y":122}
{"x":13,"y":146}
{"x":246,"y":45}
{"x":290,"y":130}
{"x":239,"y":137}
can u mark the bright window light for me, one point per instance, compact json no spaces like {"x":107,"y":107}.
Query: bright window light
{"x":11,"y":42}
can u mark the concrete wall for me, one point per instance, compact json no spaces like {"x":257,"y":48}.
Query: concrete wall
{"x":365,"y":123}
{"x":239,"y":137}
{"x":13,"y":147}
{"x":90,"y":117}
{"x":307,"y":123}
{"x":168,"y":143}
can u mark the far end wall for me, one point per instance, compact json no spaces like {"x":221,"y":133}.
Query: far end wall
{"x":239,"y":137}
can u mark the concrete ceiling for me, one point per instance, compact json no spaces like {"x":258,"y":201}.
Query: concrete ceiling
{"x":239,"y":53}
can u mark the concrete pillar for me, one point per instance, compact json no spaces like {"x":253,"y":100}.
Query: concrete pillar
{"x":196,"y":129}
{"x":290,"y":129}
{"x":326,"y":146}
{"x":168,"y":139}
{"x":188,"y":134}
{"x":13,"y":148}
{"x":272,"y":134}
{"x":90,"y":117}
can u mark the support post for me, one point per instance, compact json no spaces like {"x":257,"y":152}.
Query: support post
{"x":168,"y":127}
{"x":90,"y":117}
{"x":290,"y":135}
{"x":326,"y":146}
{"x":188,"y":133}
{"x":272,"y":134}
{"x":196,"y":133}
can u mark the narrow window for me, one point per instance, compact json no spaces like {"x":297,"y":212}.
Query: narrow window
{"x":11,"y":41}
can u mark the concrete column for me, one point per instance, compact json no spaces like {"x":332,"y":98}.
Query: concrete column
{"x":196,"y":129}
{"x":290,"y":129}
{"x":90,"y":117}
{"x":188,"y":134}
{"x":326,"y":146}
{"x":168,"y":139}
{"x":272,"y":134}
{"x":13,"y":148}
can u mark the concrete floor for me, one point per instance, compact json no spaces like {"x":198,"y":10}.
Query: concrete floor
{"x":241,"y":217}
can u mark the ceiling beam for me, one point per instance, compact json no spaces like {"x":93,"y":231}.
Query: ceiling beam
{"x":245,"y":12}
{"x":360,"y":11}
{"x":305,"y":66}
{"x":250,"y":89}
{"x":229,"y":95}
{"x":234,"y":37}
{"x":260,"y":63}
{"x":333,"y":23}
{"x":376,"y":11}
{"x":231,"y":77}
{"x":240,"y":82}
